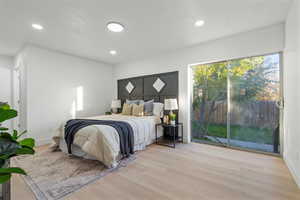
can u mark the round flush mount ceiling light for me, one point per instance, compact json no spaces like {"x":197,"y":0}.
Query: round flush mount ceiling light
{"x":113,"y":52}
{"x":199,"y":23}
{"x":37,"y":27}
{"x":115,"y":27}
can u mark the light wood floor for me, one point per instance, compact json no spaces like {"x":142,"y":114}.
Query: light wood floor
{"x":192,"y":171}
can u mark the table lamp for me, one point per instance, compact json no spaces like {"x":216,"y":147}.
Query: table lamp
{"x":115,"y":105}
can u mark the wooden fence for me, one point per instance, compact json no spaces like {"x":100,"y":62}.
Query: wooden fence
{"x":262,"y":114}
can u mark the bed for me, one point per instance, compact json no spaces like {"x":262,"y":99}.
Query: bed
{"x":102,"y":142}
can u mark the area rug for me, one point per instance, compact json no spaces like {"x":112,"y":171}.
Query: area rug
{"x":53,"y":175}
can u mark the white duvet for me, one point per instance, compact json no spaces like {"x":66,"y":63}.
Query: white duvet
{"x":102,"y":142}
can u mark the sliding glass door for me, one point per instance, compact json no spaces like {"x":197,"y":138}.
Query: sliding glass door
{"x":210,"y":103}
{"x":235,"y":103}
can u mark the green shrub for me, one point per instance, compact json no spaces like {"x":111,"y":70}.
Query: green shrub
{"x":11,"y":144}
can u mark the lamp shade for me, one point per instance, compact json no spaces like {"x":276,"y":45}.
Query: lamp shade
{"x":116,"y":103}
{"x":171,"y":104}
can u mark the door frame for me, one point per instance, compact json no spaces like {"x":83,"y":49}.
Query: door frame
{"x":281,"y":110}
{"x":16,"y":93}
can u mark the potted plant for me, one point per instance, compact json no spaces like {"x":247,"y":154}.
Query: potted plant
{"x":11,"y":145}
{"x":172,"y":118}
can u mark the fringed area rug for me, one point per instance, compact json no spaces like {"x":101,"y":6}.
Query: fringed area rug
{"x":53,"y":175}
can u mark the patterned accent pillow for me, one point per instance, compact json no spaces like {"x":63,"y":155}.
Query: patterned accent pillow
{"x":127,"y":109}
{"x":138,"y":110}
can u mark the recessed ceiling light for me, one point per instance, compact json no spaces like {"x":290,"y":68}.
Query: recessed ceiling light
{"x":113,"y":52}
{"x":115,"y":27}
{"x":37,"y":26}
{"x":199,"y":23}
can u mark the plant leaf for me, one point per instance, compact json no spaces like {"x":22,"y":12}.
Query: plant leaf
{"x":4,"y":178}
{"x":6,"y":135}
{"x":4,"y":106}
{"x":2,"y":162}
{"x":24,"y":150}
{"x":28,"y":142}
{"x":10,"y":170}
{"x":15,"y":134}
{"x":7,"y":114}
{"x":3,"y":129}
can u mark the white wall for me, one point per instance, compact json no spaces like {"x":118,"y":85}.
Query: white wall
{"x":52,"y":80}
{"x":6,"y":66}
{"x":262,"y":41}
{"x":292,"y":92}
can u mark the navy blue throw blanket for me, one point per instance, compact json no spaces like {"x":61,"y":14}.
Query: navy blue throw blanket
{"x":123,"y":128}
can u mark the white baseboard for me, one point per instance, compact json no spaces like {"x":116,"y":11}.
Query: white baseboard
{"x":42,"y":142}
{"x":292,"y":169}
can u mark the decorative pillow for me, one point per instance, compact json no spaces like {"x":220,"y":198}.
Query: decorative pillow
{"x":127,"y":109}
{"x":138,"y":102}
{"x":138,"y":110}
{"x":148,"y":108}
{"x":158,"y":109}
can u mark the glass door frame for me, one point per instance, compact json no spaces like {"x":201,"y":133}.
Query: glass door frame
{"x":281,"y":110}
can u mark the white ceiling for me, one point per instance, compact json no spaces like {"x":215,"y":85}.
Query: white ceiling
{"x":152,"y":26}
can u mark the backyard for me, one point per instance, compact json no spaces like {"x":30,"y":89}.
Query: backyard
{"x":239,"y":96}
{"x":247,"y":134}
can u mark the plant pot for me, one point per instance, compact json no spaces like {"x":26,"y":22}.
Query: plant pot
{"x":5,"y":188}
{"x":173,"y":122}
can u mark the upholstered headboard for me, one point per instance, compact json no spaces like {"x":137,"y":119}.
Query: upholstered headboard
{"x":147,"y":87}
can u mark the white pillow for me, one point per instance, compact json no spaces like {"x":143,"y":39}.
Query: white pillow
{"x":158,"y":109}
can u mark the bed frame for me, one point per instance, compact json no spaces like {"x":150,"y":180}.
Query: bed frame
{"x":143,"y":88}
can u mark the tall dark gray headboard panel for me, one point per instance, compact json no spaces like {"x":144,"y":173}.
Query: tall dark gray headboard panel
{"x":143,"y":87}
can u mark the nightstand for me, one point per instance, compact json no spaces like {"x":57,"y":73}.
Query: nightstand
{"x":173,"y":137}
